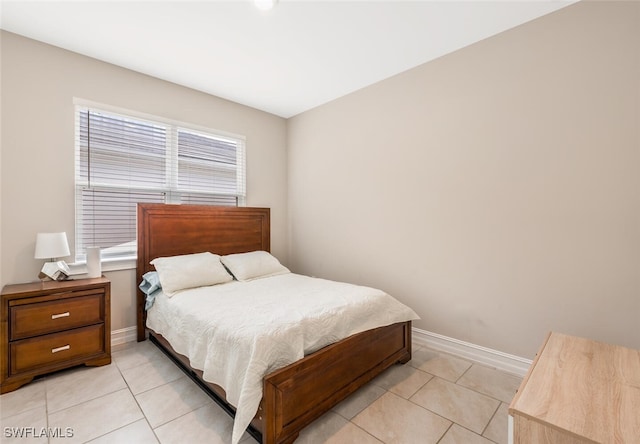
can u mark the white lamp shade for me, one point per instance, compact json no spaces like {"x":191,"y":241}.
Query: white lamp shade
{"x":51,"y":245}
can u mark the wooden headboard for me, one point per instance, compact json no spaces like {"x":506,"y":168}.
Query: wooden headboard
{"x":171,"y":230}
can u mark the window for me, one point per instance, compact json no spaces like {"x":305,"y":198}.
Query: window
{"x":125,"y":159}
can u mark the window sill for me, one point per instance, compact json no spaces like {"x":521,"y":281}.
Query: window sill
{"x":129,"y":263}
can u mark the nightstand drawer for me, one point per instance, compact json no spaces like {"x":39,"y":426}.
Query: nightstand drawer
{"x":58,"y":347}
{"x":52,"y":316}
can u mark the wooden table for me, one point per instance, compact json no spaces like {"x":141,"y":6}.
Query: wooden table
{"x":579,"y":391}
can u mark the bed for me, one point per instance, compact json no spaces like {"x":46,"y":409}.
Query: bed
{"x":292,"y":396}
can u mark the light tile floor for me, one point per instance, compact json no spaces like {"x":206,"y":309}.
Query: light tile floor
{"x":142,"y":397}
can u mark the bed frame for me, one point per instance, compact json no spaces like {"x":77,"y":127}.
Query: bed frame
{"x":295,"y":395}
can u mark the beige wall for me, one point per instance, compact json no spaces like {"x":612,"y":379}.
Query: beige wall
{"x":495,"y":190}
{"x":39,"y":83}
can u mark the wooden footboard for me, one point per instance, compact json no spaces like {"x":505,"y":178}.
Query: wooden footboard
{"x":302,"y":392}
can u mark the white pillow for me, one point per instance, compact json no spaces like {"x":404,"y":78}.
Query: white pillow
{"x":253,"y":265}
{"x":190,"y":271}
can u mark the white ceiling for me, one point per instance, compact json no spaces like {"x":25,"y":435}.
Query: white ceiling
{"x":285,"y":61}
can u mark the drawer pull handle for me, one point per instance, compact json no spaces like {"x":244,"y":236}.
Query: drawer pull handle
{"x":59,"y":349}
{"x":61,"y":315}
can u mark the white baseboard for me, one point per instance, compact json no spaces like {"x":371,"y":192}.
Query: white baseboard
{"x":482,"y":355}
{"x":124,"y":335}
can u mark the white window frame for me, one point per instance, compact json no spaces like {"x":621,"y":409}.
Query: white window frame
{"x":171,"y":191}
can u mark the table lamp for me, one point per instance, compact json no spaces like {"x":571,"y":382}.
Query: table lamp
{"x":51,"y":246}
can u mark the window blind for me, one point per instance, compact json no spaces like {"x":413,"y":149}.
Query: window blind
{"x":122,"y":160}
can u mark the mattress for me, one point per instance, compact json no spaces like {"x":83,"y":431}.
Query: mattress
{"x":238,"y":332}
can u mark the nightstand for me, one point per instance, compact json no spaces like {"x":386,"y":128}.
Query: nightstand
{"x":49,"y":326}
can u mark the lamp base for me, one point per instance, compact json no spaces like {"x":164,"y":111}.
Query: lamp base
{"x":57,"y":271}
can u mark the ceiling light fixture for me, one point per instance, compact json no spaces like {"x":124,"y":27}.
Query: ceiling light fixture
{"x":265,"y":5}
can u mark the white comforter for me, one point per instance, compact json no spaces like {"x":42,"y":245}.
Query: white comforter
{"x":238,"y":332}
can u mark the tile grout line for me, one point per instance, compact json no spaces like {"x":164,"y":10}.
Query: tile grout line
{"x":463,"y":373}
{"x":458,"y":385}
{"x":491,"y":419}
{"x":46,"y":406}
{"x":153,"y":429}
{"x":450,"y":420}
{"x":137,"y":403}
{"x":365,"y":431}
{"x":446,"y":431}
{"x":96,"y":398}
